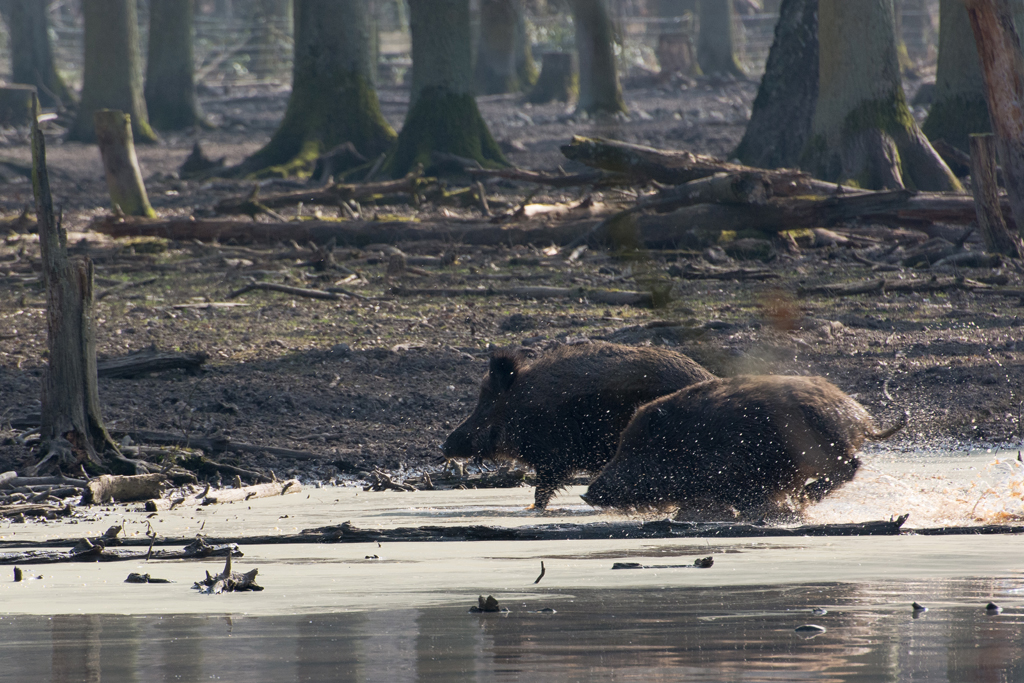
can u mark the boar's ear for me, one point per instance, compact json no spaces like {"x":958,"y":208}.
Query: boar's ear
{"x":503,"y":370}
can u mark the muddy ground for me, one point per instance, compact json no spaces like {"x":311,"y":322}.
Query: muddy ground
{"x":380,"y":381}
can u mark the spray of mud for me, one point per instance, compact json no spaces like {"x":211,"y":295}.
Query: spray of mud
{"x":936,"y":490}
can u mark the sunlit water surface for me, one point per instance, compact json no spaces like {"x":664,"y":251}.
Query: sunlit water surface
{"x":399,"y":611}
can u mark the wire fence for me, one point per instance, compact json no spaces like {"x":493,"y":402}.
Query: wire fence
{"x":242,"y":47}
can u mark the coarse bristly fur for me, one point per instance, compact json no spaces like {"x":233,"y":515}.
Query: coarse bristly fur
{"x":759,"y":445}
{"x":564,"y":412}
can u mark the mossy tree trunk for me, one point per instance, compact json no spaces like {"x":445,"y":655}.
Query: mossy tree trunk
{"x":32,"y":51}
{"x":600,"y":92}
{"x":862,"y":132}
{"x":716,"y":42}
{"x":959,"y":108}
{"x":333,"y":100}
{"x":443,"y":116}
{"x":500,"y":54}
{"x":780,"y":123}
{"x":113,"y":68}
{"x":170,"y":86}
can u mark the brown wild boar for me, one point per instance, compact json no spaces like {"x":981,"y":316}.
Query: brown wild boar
{"x":757,"y":444}
{"x":564,"y":412}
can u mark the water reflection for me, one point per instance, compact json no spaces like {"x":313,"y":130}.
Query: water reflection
{"x":651,"y":635}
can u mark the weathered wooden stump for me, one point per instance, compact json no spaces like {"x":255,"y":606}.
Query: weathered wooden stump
{"x":557,"y":81}
{"x":675,"y":55}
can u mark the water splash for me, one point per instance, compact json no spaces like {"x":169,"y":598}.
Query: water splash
{"x":936,"y":492}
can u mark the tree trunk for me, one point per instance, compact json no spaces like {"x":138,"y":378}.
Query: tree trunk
{"x":271,"y":32}
{"x":600,"y":91}
{"x":170,"y":89}
{"x":862,"y":132}
{"x":333,"y":100}
{"x":113,"y":72}
{"x":959,"y":108}
{"x":496,"y":58}
{"x":72,"y":428}
{"x":1002,"y":63}
{"x":716,"y":45}
{"x":443,"y":116}
{"x":32,"y":51}
{"x":918,"y":28}
{"x":780,"y":123}
{"x":998,"y":239}
{"x":120,"y":165}
{"x":557,"y":81}
{"x":526,"y":67}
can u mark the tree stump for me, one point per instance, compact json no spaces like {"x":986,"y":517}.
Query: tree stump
{"x":121,"y":166}
{"x":72,"y":428}
{"x":675,"y":55}
{"x":557,"y":81}
{"x":16,"y":104}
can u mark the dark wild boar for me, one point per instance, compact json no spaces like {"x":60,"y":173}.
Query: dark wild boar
{"x":760,"y":445}
{"x":564,"y":412}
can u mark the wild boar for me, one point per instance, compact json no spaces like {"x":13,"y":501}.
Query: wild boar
{"x":564,"y":412}
{"x":758,"y":445}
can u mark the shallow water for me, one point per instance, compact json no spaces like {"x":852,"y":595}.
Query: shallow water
{"x":699,"y":634}
{"x":398,"y":612}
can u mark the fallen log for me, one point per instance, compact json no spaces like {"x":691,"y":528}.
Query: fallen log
{"x":594,"y":178}
{"x":97,"y":552}
{"x":149,"y":360}
{"x":17,"y":482}
{"x":121,"y":489}
{"x":880,"y":285}
{"x":16,"y":510}
{"x":344,"y":233}
{"x":604,"y":296}
{"x":675,"y":167}
{"x":277,"y":488}
{"x":218,"y":445}
{"x":332,"y":194}
{"x":285,"y":289}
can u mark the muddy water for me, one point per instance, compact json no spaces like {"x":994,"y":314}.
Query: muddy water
{"x":398,"y":612}
{"x":686,"y":633}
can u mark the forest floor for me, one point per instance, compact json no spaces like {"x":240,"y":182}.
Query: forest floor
{"x":380,"y":381}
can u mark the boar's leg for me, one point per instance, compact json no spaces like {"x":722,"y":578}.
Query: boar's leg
{"x":549,"y":480}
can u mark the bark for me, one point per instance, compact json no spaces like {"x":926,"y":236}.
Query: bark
{"x":122,"y":489}
{"x":500,"y":53}
{"x":333,"y":100}
{"x":716,"y":45}
{"x":113,"y":68}
{"x":863,"y":133}
{"x":986,"y":197}
{"x":600,"y":91}
{"x":443,"y":116}
{"x":959,"y":107}
{"x":32,"y":51}
{"x":1002,"y":64}
{"x":72,"y":429}
{"x":170,"y":86}
{"x":558,"y":80}
{"x":120,"y":165}
{"x":780,"y":123}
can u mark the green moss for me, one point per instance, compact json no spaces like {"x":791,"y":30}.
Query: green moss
{"x":954,"y":119}
{"x":324,"y":111}
{"x":443,"y":121}
{"x":891,"y":116}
